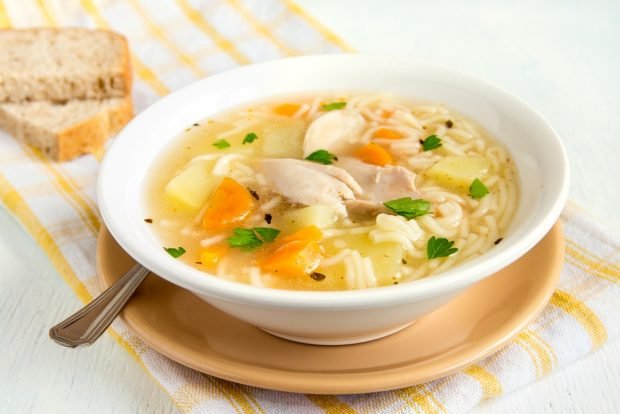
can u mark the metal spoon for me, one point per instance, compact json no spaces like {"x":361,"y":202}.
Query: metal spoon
{"x":86,"y":325}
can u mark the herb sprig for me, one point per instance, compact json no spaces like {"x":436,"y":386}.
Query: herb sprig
{"x":221,"y":144}
{"x":332,"y":106}
{"x":175,"y":252}
{"x":249,"y":138}
{"x":477,"y":189}
{"x":408,"y":207}
{"x":430,"y":143}
{"x":440,"y":248}
{"x":322,"y":157}
{"x":250,"y":239}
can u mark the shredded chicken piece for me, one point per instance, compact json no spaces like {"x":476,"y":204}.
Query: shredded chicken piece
{"x":308,"y":183}
{"x":334,"y":131}
{"x":379,"y":184}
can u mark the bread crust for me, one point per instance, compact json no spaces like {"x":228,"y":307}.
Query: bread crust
{"x":19,"y":87}
{"x":87,"y":136}
{"x":90,"y":135}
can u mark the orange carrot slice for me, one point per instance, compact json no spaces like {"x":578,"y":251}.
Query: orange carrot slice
{"x":230,"y":204}
{"x":211,"y":256}
{"x":286,"y":109}
{"x":374,"y":154}
{"x":296,"y":255}
{"x":387,"y":133}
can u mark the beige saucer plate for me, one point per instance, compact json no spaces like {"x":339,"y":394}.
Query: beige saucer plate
{"x":473,"y":325}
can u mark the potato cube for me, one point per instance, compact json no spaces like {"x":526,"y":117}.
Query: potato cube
{"x":283,"y":138}
{"x":458,"y":172}
{"x":189,"y":190}
{"x":318,"y":215}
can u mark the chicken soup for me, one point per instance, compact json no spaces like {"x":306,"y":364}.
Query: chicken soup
{"x":331,"y":192}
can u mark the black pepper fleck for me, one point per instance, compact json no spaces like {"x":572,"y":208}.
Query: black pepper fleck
{"x":421,"y":142}
{"x":396,"y":283}
{"x":404,"y":261}
{"x":449,"y":123}
{"x":498,"y":241}
{"x":196,"y":124}
{"x":148,"y":220}
{"x":268,"y":218}
{"x":198,"y":262}
{"x":317,"y":276}
{"x":254,"y":194}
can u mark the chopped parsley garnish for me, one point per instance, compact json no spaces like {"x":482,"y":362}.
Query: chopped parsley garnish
{"x":322,"y":157}
{"x":250,"y":138}
{"x":221,"y":144}
{"x":267,"y":233}
{"x":477,"y":189}
{"x":333,"y":105}
{"x":430,"y":143}
{"x":245,"y":239}
{"x":248,"y":239}
{"x":175,"y":252}
{"x":440,"y":247}
{"x":408,"y":207}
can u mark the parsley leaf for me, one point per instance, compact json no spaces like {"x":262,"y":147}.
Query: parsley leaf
{"x":267,"y":233}
{"x":176,"y":253}
{"x":477,"y":189}
{"x":245,"y":239}
{"x":440,"y":248}
{"x":221,"y":144}
{"x":333,"y":105}
{"x":250,"y":138}
{"x":431,"y":142}
{"x":408,"y":207}
{"x":322,"y":157}
{"x":248,"y":239}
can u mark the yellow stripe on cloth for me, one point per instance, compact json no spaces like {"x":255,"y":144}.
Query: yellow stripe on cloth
{"x":190,"y":395}
{"x":327,"y":34}
{"x":45,"y":12}
{"x":491,"y":386}
{"x":261,"y":28}
{"x":161,"y":34}
{"x":203,"y":24}
{"x":420,"y":396}
{"x":330,"y":404}
{"x":14,"y":202}
{"x":541,"y":353}
{"x":584,"y":315}
{"x":143,"y":71}
{"x":589,"y":262}
{"x":67,"y":188}
{"x":5,"y":21}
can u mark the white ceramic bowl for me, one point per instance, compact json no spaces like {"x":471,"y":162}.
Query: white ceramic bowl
{"x":347,"y":316}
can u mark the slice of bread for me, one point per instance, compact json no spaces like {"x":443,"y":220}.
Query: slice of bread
{"x":68,"y":130}
{"x":62,"y":64}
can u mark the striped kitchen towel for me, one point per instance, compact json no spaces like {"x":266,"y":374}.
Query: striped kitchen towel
{"x":175,"y":42}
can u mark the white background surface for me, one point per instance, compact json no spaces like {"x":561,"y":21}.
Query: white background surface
{"x":563,"y":57}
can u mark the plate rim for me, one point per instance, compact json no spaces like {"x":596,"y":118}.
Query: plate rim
{"x":356,"y":383}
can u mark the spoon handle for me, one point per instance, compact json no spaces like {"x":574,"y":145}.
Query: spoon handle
{"x":86,"y":325}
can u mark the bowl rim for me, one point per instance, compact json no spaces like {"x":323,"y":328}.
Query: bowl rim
{"x":451,"y":280}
